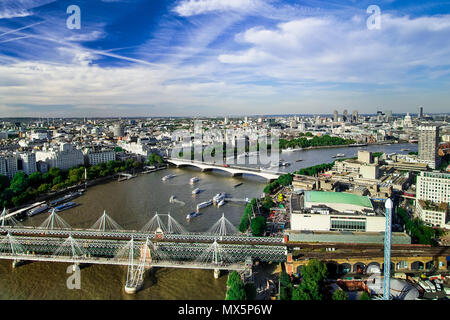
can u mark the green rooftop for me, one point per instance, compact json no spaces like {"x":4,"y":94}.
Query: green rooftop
{"x":338,"y":197}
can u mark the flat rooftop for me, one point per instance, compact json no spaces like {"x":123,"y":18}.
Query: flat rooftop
{"x":338,"y":197}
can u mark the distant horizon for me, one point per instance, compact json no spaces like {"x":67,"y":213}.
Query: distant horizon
{"x":219,"y":117}
{"x":185,"y":58}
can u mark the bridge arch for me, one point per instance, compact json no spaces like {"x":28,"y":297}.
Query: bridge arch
{"x":373,"y":267}
{"x":333,"y":267}
{"x":345,"y":268}
{"x":417,"y":265}
{"x":403,"y":264}
{"x":392,"y":267}
{"x":359,"y":267}
{"x":429,"y":265}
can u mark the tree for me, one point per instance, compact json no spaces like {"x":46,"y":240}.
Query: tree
{"x":300,"y":294}
{"x":236,"y":288}
{"x":236,"y":292}
{"x":258,"y":225}
{"x":250,"y":291}
{"x":364,"y":296}
{"x":19,"y":183}
{"x":285,"y":286}
{"x":4,"y":182}
{"x":233,"y":278}
{"x":313,"y":274}
{"x":155,"y":158}
{"x":339,"y":295}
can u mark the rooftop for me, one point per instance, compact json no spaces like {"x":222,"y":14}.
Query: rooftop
{"x":338,"y":197}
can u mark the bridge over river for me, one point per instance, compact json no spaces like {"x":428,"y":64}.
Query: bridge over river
{"x":157,"y":244}
{"x":233,"y":169}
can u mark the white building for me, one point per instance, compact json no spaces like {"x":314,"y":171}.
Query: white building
{"x":335,"y":211}
{"x":433,"y":197}
{"x":434,"y":187}
{"x":101,"y":156}
{"x":64,"y":158}
{"x":10,"y":164}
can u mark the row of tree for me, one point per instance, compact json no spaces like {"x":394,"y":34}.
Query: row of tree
{"x":316,"y":141}
{"x":284,"y":180}
{"x":237,"y":290}
{"x":312,"y":284}
{"x":23,"y":188}
{"x":417,"y":229}
{"x":258,"y":222}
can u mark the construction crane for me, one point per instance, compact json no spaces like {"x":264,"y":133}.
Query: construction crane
{"x":387,"y":249}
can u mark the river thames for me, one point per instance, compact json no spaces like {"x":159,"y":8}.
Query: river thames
{"x":132,"y":203}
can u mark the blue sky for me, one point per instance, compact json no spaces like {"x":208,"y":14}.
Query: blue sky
{"x":222,"y":57}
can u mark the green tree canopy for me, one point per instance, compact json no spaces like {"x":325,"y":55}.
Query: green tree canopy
{"x":258,"y":226}
{"x":339,"y":295}
{"x":364,"y":296}
{"x":4,"y":182}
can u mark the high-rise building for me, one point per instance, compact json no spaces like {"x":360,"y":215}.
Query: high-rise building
{"x":335,"y":116}
{"x":420,"y":112}
{"x":435,"y":188}
{"x":429,"y":145}
{"x":118,"y":130}
{"x":344,"y":116}
{"x":355,"y":116}
{"x":10,"y":164}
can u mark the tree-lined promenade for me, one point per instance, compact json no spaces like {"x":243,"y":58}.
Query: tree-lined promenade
{"x":24,"y":188}
{"x":306,"y":140}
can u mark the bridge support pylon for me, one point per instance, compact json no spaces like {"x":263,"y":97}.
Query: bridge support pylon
{"x":216,"y":273}
{"x":16,"y":263}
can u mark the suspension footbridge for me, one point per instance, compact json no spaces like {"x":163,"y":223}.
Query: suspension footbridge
{"x":162,"y":242}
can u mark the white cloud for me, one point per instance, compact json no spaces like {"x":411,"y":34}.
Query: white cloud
{"x":188,"y":8}
{"x":326,"y":49}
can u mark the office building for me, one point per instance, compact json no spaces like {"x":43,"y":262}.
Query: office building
{"x":429,"y":145}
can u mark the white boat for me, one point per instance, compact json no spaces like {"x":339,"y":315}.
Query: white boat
{"x":291,"y":149}
{"x":169,"y":176}
{"x":192,"y":215}
{"x":37,"y":210}
{"x":204,"y":204}
{"x":218,"y":197}
{"x":220,"y":203}
{"x":193,"y":180}
{"x":172,"y":198}
{"x":195,"y":191}
{"x":339,"y":155}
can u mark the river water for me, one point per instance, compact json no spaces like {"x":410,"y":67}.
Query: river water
{"x":132,"y":203}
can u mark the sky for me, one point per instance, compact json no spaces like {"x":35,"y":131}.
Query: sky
{"x":222,"y":57}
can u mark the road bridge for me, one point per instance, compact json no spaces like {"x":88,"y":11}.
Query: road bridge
{"x":234,"y":170}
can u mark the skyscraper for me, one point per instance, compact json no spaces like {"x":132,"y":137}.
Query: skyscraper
{"x":355,"y":116}
{"x":335,"y":116}
{"x":420,"y":112}
{"x":428,"y":145}
{"x":344,"y":115}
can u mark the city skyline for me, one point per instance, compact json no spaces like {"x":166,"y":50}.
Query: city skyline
{"x":208,"y":58}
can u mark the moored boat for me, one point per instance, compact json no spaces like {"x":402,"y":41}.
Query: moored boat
{"x":65,"y":206}
{"x":37,"y":210}
{"x":195,"y":191}
{"x":192,"y":215}
{"x":204,"y":204}
{"x":169,"y":176}
{"x":194,"y":180}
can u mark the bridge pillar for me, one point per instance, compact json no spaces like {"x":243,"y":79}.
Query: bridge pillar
{"x":216,"y":273}
{"x":16,"y":263}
